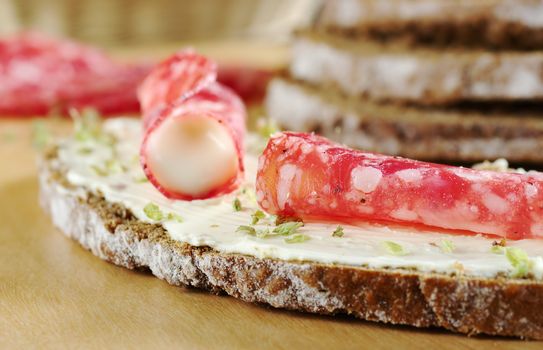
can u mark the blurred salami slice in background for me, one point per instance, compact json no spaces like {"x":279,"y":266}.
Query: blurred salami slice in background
{"x":309,"y":177}
{"x":249,"y":83}
{"x":41,"y":75}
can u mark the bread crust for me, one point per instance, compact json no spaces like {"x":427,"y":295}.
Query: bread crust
{"x":506,"y":307}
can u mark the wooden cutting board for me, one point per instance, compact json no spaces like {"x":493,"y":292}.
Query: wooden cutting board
{"x":54,"y":294}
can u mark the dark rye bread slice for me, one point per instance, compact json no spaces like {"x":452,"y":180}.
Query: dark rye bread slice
{"x":422,"y":76}
{"x":454,"y":135}
{"x":499,"y":306}
{"x":493,"y":24}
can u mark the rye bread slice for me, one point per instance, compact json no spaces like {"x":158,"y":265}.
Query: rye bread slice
{"x":493,"y":24}
{"x":453,"y":135}
{"x":422,"y":76}
{"x":499,"y":306}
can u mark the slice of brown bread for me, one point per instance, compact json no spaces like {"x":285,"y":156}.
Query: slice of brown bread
{"x":496,"y":306}
{"x":422,"y":76}
{"x":455,"y":135}
{"x":495,"y":24}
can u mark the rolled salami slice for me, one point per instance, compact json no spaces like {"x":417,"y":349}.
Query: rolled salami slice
{"x":309,"y":177}
{"x":193,"y":129}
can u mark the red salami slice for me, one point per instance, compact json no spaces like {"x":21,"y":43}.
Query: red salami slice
{"x":174,"y":80}
{"x":248,"y":82}
{"x":307,"y":176}
{"x":114,"y":96}
{"x":39,"y":75}
{"x":194,"y":129}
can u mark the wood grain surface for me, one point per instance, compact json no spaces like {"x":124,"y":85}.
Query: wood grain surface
{"x":55,"y":294}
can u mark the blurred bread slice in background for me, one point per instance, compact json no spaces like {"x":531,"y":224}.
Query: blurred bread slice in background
{"x":495,"y":24}
{"x":454,"y":81}
{"x":461,"y":134}
{"x":423,"y":75}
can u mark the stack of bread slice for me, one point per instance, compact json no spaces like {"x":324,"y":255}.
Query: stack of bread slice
{"x":455,"y":81}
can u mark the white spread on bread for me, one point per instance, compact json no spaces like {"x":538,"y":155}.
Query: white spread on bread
{"x":192,"y":155}
{"x":213,"y":222}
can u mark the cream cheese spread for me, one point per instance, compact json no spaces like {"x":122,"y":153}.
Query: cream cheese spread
{"x":115,"y":171}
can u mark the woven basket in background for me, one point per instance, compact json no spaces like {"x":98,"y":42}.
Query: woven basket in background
{"x":129,"y":22}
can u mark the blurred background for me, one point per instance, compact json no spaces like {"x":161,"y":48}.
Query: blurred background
{"x":442,"y":80}
{"x":131,"y":22}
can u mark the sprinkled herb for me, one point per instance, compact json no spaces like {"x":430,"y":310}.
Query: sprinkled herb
{"x":257,"y":216}
{"x":114,"y":166}
{"x":338,"y":232}
{"x":141,"y":179}
{"x":86,"y":124}
{"x":447,"y":246}
{"x":174,"y":217}
{"x":287,"y":228}
{"x":153,"y":212}
{"x":267,"y":127}
{"x":99,"y":171}
{"x":40,"y":134}
{"x":214,"y":225}
{"x":246,"y":229}
{"x":263,"y":233}
{"x":297,"y":238}
{"x":393,"y":248}
{"x":88,"y":127}
{"x":236,"y":204}
{"x":254,"y":232}
{"x":519,"y":260}
{"x":84,"y":151}
{"x":279,"y":219}
{"x":501,"y":243}
{"x":497,"y":249}
{"x":110,"y":167}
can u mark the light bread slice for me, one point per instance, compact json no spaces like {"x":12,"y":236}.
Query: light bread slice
{"x":496,"y":24}
{"x":422,"y":76}
{"x":498,"y":305}
{"x":456,"y":135}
